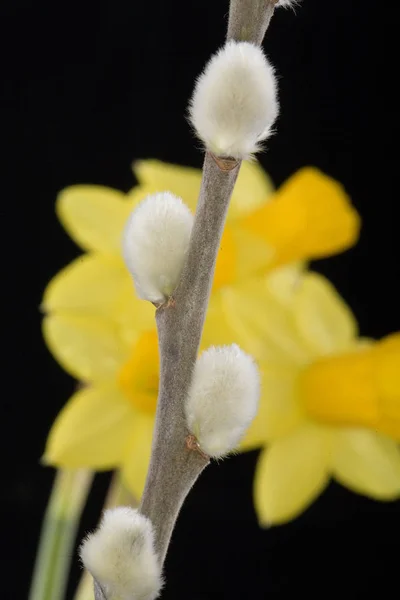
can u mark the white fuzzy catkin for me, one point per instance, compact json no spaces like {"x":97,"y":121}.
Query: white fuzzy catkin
{"x":120,"y":556}
{"x":234,"y":103}
{"x":287,"y":3}
{"x":155,"y":244}
{"x":223,"y":398}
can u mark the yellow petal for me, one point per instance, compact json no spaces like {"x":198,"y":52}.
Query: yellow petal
{"x":217,"y":330}
{"x":324,"y":321}
{"x":291,"y":474}
{"x":159,"y":176}
{"x":138,"y":377}
{"x":137,"y":457}
{"x":92,"y":283}
{"x":253,"y":189}
{"x":310,"y":216}
{"x":94,"y":216}
{"x":367,"y":463}
{"x":279,"y":412}
{"x":284,"y":282}
{"x":89,"y":348}
{"x":252,"y":255}
{"x":134,"y":317}
{"x":263,"y":325}
{"x":92,"y":430}
{"x":139,"y":193}
{"x":99,"y":285}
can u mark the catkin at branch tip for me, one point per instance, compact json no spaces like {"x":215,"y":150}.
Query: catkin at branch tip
{"x":234,"y":103}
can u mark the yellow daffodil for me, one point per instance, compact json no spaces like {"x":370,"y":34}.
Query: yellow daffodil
{"x":331,"y":401}
{"x":105,"y":337}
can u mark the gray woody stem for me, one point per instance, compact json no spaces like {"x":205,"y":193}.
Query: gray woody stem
{"x":175,"y":464}
{"x":249,"y":19}
{"x":174,"y":467}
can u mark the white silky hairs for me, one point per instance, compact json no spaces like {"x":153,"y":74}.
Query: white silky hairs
{"x":120,"y":556}
{"x":223,"y":398}
{"x":287,"y":3}
{"x":155,"y":243}
{"x":234,"y":103}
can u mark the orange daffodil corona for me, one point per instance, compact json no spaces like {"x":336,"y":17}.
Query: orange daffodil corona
{"x":105,"y":337}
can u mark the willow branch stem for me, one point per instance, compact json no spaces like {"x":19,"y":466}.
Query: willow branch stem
{"x":174,"y":467}
{"x":175,"y":464}
{"x":249,"y":20}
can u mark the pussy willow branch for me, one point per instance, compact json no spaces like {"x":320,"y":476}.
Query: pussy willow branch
{"x":175,"y":465}
{"x":249,"y":20}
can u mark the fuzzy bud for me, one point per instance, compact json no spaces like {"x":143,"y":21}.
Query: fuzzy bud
{"x":223,"y":398}
{"x":155,"y":244}
{"x":120,"y":555}
{"x":287,"y":3}
{"x":234,"y":104}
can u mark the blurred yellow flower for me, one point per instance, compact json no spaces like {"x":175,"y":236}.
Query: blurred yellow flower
{"x":331,"y":401}
{"x":105,"y":337}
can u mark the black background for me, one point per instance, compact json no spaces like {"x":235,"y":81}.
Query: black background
{"x":87,"y":88}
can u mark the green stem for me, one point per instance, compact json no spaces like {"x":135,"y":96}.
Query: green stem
{"x":117,"y":495}
{"x":61,"y":520}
